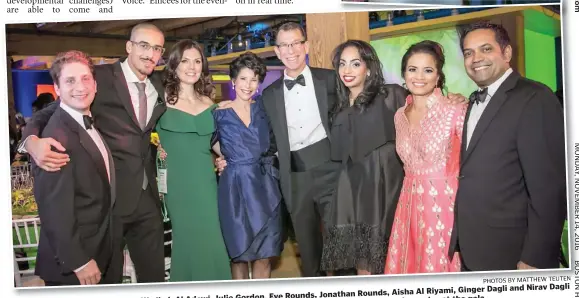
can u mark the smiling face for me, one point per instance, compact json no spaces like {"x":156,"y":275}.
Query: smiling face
{"x":352,"y":69}
{"x":421,"y":75}
{"x":291,"y":49}
{"x":246,"y":84}
{"x":484,"y":60}
{"x":76,"y":86}
{"x":190,"y":67}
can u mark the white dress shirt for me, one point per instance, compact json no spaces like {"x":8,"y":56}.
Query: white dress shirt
{"x":302,"y":113}
{"x":478,"y":108}
{"x":150,"y":90}
{"x":95,"y":136}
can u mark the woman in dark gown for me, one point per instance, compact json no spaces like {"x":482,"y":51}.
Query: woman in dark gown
{"x":248,"y":195}
{"x":363,"y":140}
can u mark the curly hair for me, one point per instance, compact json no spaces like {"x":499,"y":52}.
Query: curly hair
{"x":251,"y":61}
{"x":172,"y":83}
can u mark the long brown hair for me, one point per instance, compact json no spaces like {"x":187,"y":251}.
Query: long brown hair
{"x":172,"y":83}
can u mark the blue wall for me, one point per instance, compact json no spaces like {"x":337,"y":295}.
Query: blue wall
{"x":24,"y":85}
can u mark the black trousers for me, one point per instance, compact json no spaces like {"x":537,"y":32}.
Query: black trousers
{"x":312,"y":193}
{"x":143,"y":233}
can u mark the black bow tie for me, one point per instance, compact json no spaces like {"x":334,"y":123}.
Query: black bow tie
{"x":87,"y":121}
{"x":291,"y":83}
{"x":479,"y":96}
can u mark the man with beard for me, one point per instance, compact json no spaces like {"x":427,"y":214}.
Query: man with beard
{"x":127,"y":106}
{"x":511,"y":199}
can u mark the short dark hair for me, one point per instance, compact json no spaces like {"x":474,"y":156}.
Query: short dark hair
{"x":66,"y":58}
{"x":289,"y":26}
{"x":501,"y":34}
{"x":251,"y":61}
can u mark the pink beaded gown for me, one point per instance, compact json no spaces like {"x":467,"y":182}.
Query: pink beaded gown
{"x":424,"y":216}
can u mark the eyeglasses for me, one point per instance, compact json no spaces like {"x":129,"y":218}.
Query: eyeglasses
{"x":146,"y":46}
{"x":295,"y":44}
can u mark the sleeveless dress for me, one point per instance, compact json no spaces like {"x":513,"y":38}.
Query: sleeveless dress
{"x":425,"y":214}
{"x":198,"y":252}
{"x":249,"y":195}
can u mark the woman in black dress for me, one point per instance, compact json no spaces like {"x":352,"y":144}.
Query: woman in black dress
{"x":363,"y":141}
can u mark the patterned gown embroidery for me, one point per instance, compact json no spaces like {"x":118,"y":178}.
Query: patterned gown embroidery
{"x":424,"y":217}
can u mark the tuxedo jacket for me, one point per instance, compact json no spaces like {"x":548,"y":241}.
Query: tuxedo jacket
{"x":115,"y":119}
{"x":274,"y":103}
{"x":511,"y":199}
{"x":74,"y":204}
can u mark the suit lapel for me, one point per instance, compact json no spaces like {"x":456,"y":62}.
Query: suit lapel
{"x":322,"y":97}
{"x":160,"y":106}
{"x":112,"y":172}
{"x":122,"y":89}
{"x":158,"y":110}
{"x":465,"y":134}
{"x":113,"y":188}
{"x":156,"y":81}
{"x":87,"y":143}
{"x":496,"y":102}
{"x":278,"y":98}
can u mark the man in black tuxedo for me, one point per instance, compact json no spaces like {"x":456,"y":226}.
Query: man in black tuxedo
{"x":75,"y":204}
{"x":298,"y":106}
{"x":126,"y":108}
{"x":511,"y":200}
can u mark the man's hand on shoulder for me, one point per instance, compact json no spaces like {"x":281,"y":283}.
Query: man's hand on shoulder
{"x":456,"y":98}
{"x":224,"y":104}
{"x":44,"y":157}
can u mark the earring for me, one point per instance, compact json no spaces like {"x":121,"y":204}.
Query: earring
{"x":233,"y":87}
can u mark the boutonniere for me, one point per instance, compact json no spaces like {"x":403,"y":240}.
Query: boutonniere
{"x":160,"y":101}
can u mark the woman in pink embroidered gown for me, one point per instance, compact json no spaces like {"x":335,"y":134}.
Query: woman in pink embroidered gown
{"x":428,"y":133}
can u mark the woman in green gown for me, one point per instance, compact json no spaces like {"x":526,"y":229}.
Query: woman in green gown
{"x":185,"y":130}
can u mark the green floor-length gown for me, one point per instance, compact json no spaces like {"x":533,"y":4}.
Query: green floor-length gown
{"x":198,"y":252}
